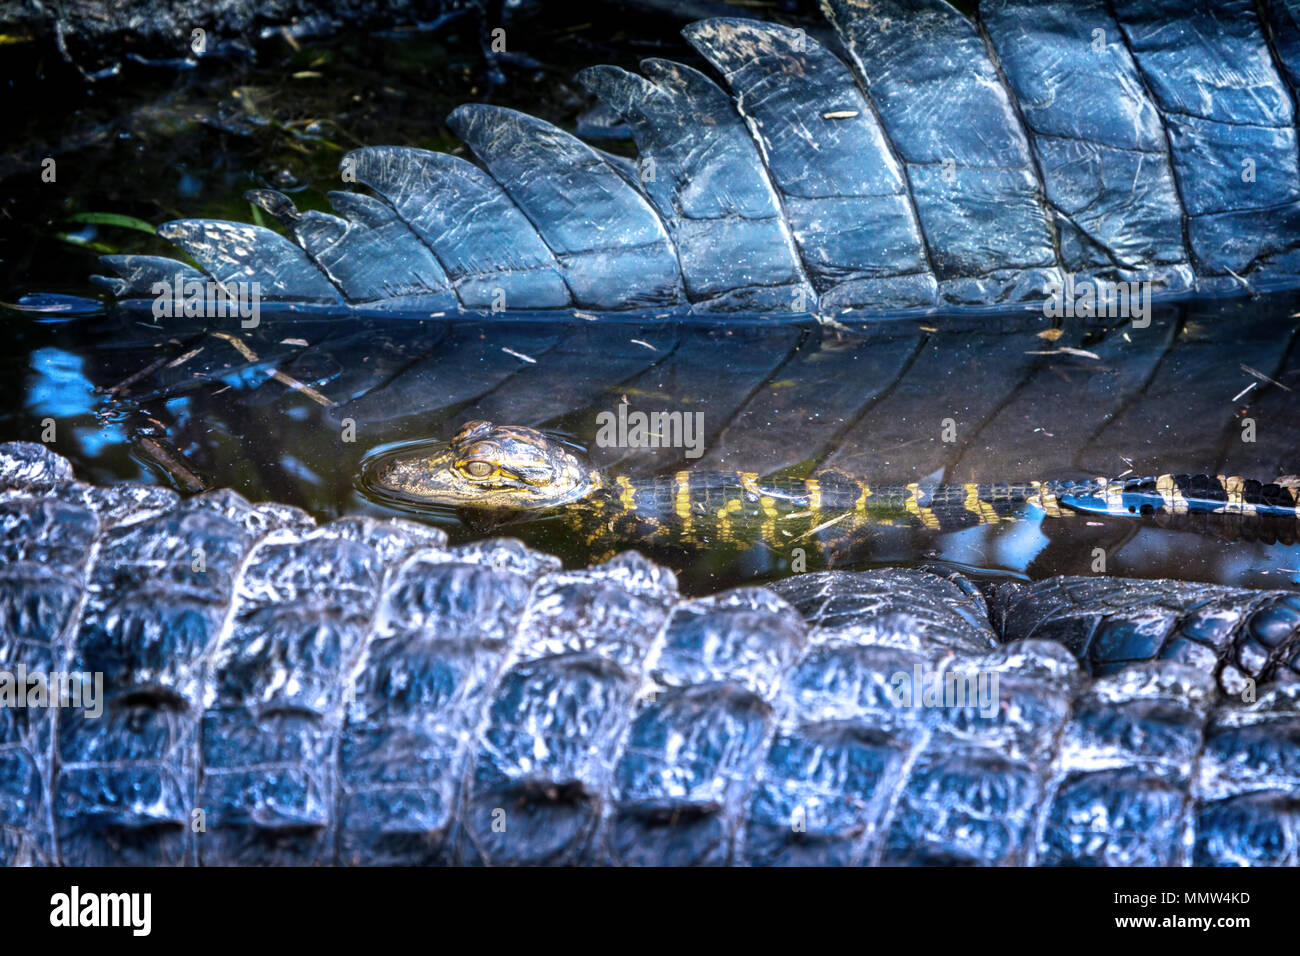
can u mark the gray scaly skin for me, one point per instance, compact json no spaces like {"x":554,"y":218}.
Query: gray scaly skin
{"x":358,"y":693}
{"x":933,"y":162}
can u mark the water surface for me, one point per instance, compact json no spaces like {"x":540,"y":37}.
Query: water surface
{"x":287,"y":410}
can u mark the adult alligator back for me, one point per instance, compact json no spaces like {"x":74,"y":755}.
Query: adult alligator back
{"x":942,"y":166}
{"x":281,"y":692}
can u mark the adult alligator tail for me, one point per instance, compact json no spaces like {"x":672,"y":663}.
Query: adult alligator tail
{"x":280,"y":692}
{"x":1045,"y":148}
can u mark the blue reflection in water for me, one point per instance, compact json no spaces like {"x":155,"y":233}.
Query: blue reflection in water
{"x":179,"y":407}
{"x":58,"y":389}
{"x":188,"y":185}
{"x":299,"y":469}
{"x":1008,"y":546}
{"x":248,"y":377}
{"x":1020,"y":545}
{"x":94,"y":441}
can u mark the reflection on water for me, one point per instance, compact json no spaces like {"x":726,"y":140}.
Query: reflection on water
{"x":1205,"y":388}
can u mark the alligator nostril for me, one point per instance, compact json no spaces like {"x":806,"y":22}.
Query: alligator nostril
{"x":391,"y":472}
{"x":385,"y":473}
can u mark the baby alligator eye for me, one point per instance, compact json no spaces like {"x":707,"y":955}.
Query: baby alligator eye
{"x":478,"y":469}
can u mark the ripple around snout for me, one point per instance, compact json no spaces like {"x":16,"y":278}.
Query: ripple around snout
{"x":369,"y":471}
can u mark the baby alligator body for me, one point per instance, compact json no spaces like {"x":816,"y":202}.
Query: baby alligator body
{"x":498,"y":473}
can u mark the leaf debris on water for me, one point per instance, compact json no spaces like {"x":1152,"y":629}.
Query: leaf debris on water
{"x":1262,"y":377}
{"x":276,"y":374}
{"x":519,"y":355}
{"x":1066,"y":350}
{"x":1245,"y":391}
{"x":175,"y":363}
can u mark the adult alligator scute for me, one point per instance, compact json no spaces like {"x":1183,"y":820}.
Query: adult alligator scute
{"x":280,"y":691}
{"x":936,"y":165}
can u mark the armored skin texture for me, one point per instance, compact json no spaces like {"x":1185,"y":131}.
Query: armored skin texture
{"x":359,"y":693}
{"x":1035,"y":155}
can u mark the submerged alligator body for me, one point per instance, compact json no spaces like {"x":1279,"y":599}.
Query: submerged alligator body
{"x":504,"y":472}
{"x":944,"y":162}
{"x":280,"y":692}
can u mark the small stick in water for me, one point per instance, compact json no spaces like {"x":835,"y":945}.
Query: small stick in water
{"x":172,"y":461}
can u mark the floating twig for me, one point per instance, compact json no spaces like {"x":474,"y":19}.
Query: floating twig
{"x":243,"y":349}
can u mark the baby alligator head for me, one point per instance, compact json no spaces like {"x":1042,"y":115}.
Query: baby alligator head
{"x":486,"y":467}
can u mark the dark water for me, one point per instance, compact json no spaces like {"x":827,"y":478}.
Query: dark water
{"x":287,"y":410}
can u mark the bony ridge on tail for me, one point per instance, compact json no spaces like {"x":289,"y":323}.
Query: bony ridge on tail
{"x":497,"y":473}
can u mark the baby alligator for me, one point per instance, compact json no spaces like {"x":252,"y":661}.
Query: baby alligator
{"x":494,"y":474}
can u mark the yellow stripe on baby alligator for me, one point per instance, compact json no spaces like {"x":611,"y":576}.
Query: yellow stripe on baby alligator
{"x":682,"y":499}
{"x":749,"y":482}
{"x":768,"y":529}
{"x":982,"y":509}
{"x":1171,"y":494}
{"x":724,"y":518}
{"x":1235,"y":488}
{"x":1044,"y":499}
{"x":626,"y":493}
{"x":814,"y":493}
{"x":913,"y":506}
{"x":861,"y":503}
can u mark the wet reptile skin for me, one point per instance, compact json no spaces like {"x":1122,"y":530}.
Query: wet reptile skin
{"x":928,"y":160}
{"x":522,"y":471}
{"x":360,"y":693}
